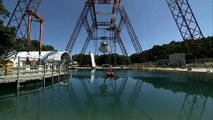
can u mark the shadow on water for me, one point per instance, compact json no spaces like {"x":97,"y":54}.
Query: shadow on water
{"x":90,"y":95}
{"x":197,"y":87}
{"x":10,"y":90}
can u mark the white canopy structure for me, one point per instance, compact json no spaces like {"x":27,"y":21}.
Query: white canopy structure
{"x":44,"y":56}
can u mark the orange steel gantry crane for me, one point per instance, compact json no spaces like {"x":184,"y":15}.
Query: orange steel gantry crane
{"x":21,"y":19}
{"x":41,"y":21}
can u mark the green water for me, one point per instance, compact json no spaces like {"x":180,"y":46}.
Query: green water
{"x":130,"y":95}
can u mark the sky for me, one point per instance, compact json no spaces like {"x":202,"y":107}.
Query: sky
{"x":151,"y":20}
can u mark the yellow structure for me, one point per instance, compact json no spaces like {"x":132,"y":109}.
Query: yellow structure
{"x":8,"y":66}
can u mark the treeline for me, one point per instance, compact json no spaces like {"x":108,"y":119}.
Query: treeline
{"x":8,"y":41}
{"x":112,"y":59}
{"x":34,"y":46}
{"x":202,"y":48}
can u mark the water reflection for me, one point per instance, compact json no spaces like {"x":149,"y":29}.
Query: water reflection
{"x":137,"y":95}
{"x":197,"y":91}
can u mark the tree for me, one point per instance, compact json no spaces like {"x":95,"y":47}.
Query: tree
{"x":201,"y":48}
{"x":47,"y":48}
{"x":3,"y":13}
{"x":112,"y":59}
{"x":82,"y":59}
{"x":7,"y":43}
{"x":34,"y":46}
{"x":6,"y":40}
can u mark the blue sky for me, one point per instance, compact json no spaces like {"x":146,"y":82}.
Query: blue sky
{"x":151,"y":19}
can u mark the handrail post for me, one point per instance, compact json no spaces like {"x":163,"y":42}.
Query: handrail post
{"x":44,"y":72}
{"x":52,"y":70}
{"x":18,"y":73}
{"x":59,"y":70}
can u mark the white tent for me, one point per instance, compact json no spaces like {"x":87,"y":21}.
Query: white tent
{"x":44,"y":56}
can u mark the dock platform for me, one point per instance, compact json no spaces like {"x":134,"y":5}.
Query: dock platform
{"x":27,"y":77}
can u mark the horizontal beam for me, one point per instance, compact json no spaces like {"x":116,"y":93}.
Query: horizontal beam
{"x":103,"y":38}
{"x":103,"y":23}
{"x":100,"y":1}
{"x":103,"y":13}
{"x":30,"y":12}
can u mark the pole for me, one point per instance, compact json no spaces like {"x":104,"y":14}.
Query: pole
{"x":28,"y":31}
{"x":28,"y":36}
{"x":18,"y":71}
{"x":59,"y":70}
{"x":44,"y":73}
{"x":40,"y":37}
{"x":52,"y":70}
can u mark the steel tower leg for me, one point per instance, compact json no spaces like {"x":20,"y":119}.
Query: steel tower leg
{"x":185,"y":20}
{"x":90,"y":31}
{"x":131,"y":32}
{"x":89,"y":37}
{"x":18,"y":18}
{"x":120,"y":42}
{"x":77,"y":29}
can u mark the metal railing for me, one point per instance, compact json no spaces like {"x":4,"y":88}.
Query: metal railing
{"x":21,"y":72}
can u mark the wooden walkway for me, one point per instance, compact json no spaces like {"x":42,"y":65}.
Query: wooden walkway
{"x":27,"y":77}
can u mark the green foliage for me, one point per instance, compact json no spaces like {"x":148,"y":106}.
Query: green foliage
{"x":195,"y":48}
{"x":135,"y":58}
{"x":8,"y":42}
{"x":112,"y":59}
{"x":3,"y":12}
{"x":6,"y":34}
{"x":34,"y":46}
{"x":201,"y":48}
{"x":47,"y":48}
{"x":82,"y":59}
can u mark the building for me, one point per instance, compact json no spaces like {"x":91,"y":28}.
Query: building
{"x":177,"y":59}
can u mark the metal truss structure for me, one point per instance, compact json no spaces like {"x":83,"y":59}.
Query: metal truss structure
{"x":185,"y":20}
{"x":19,"y":18}
{"x":180,"y":9}
{"x":97,"y":25}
